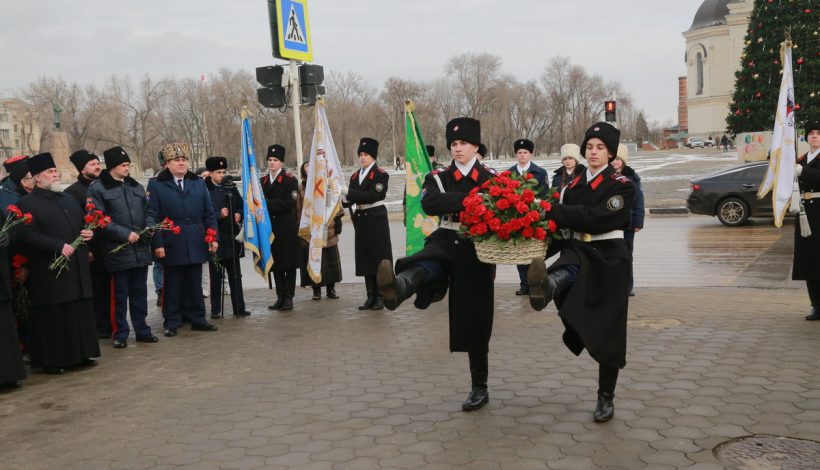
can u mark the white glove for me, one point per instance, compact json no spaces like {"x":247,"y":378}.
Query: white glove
{"x":798,"y":169}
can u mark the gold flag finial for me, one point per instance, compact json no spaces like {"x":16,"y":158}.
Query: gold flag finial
{"x":409,"y":106}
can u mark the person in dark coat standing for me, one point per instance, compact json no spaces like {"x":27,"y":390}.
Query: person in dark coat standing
{"x":590,"y":280}
{"x":228,"y":208}
{"x":62,"y":315}
{"x":636,"y":216}
{"x":180,"y":195}
{"x":281,"y":190}
{"x":570,"y":167}
{"x":12,"y":369}
{"x":807,"y":249}
{"x":367,"y":190}
{"x":331,"y":261}
{"x":89,"y":168}
{"x":449,"y":261}
{"x":123,"y":199}
{"x":523,"y":153}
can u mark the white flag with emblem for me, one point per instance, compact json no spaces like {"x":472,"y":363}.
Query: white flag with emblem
{"x":780,"y":175}
{"x":323,"y":192}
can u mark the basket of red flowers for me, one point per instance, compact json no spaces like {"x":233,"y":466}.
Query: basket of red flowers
{"x":503,"y":219}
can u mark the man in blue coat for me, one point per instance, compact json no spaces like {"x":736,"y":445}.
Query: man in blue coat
{"x":523,"y":153}
{"x":180,"y":195}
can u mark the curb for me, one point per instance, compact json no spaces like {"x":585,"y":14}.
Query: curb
{"x":668,"y":211}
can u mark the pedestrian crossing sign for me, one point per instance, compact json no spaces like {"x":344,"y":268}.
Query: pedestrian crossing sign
{"x":292,"y":35}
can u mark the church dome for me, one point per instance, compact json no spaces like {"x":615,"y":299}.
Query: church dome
{"x":711,"y":13}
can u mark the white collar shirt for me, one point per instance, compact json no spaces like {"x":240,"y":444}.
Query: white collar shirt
{"x":364,"y":171}
{"x":465,"y":169}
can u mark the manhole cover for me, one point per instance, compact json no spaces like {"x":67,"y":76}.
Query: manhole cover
{"x":769,"y":452}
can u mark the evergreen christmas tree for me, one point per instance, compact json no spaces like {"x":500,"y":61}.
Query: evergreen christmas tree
{"x":757,"y":84}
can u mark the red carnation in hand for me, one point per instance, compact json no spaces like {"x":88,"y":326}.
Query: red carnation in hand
{"x":17,"y":261}
{"x":89,"y":206}
{"x":88,"y":218}
{"x":28,"y":218}
{"x":176,"y":229}
{"x":12,"y":209}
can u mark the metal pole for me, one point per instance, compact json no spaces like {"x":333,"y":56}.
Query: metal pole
{"x":297,"y":126}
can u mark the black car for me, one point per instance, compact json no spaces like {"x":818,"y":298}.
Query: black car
{"x":731,"y":195}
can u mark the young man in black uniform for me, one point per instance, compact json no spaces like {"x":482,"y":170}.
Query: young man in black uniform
{"x":281,"y":190}
{"x":590,"y":280}
{"x":449,"y":261}
{"x":807,"y":249}
{"x":367,"y":190}
{"x":228,"y":209}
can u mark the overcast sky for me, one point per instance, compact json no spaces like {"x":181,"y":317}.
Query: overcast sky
{"x":637,"y":42}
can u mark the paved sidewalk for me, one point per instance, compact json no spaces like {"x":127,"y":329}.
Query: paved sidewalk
{"x":328,"y":386}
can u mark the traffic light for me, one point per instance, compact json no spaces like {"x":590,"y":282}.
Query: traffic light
{"x":310,"y":83}
{"x":272,"y":94}
{"x":610,"y":108}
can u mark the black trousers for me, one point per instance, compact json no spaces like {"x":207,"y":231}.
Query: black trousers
{"x":814,"y":292}
{"x":101,"y":297}
{"x":130,"y":294}
{"x":285,"y":283}
{"x":234,"y":274}
{"x":607,"y":378}
{"x":479,"y":368}
{"x":182,"y":296}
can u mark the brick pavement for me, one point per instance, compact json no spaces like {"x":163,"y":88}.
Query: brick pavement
{"x":328,"y":386}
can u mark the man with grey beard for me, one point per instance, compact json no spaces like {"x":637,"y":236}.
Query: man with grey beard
{"x":62,"y":317}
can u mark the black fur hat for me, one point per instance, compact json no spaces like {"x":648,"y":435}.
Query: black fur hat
{"x":608,"y":133}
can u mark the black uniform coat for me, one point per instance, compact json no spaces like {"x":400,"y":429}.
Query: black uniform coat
{"x":79,"y":189}
{"x":280,"y":196}
{"x":372,"y":238}
{"x":228,"y":228}
{"x":125,"y":202}
{"x":11,"y":360}
{"x":190,"y":209}
{"x":57,"y":220}
{"x":471,"y":281}
{"x":595,"y":308}
{"x":807,"y":249}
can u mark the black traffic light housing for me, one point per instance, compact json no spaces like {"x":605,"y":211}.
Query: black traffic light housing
{"x":610,"y":109}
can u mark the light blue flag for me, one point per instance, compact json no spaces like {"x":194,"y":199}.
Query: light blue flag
{"x":258,"y":233}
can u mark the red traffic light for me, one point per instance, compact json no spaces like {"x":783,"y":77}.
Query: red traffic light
{"x":610,"y":106}
{"x":609,"y":111}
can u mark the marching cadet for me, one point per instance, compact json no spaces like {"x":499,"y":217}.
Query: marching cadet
{"x":807,"y":249}
{"x":367,"y":190}
{"x":122,"y":198}
{"x":179,"y":194}
{"x":281,"y":190}
{"x":590,"y":280}
{"x":449,"y":260}
{"x":89,"y":168}
{"x":228,"y":208}
{"x":431,"y":151}
{"x":523,"y":153}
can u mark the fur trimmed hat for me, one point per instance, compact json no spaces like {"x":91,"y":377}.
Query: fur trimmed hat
{"x":115,"y":156}
{"x":81,"y":157}
{"x":608,"y":134}
{"x":175,"y":150}
{"x":216,"y":163}
{"x":811,"y":126}
{"x":571,"y":151}
{"x":524,"y":144}
{"x":464,"y":128}
{"x":16,"y":167}
{"x":276,"y":151}
{"x":40,"y":163}
{"x":369,"y":146}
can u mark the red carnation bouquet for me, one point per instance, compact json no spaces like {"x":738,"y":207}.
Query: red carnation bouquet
{"x":166,"y":224}
{"x":15,"y":217}
{"x":94,"y":219}
{"x":507,"y":210}
{"x":210,"y":237}
{"x":20,"y":293}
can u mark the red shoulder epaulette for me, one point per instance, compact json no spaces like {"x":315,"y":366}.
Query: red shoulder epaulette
{"x":353,"y":176}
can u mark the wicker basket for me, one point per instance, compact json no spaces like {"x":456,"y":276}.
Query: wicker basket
{"x":514,"y":252}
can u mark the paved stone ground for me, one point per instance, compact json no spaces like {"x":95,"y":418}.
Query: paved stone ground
{"x":328,"y":386}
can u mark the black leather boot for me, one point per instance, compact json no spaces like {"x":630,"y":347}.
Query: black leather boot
{"x":317,"y":292}
{"x":331,"y":291}
{"x":396,"y":289}
{"x":377,"y":304}
{"x":370,"y":295}
{"x":278,"y":304}
{"x":605,"y":409}
{"x":814,"y":314}
{"x":287,"y":303}
{"x":479,"y":395}
{"x":545,"y":286}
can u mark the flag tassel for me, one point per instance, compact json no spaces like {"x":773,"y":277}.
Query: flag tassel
{"x":805,"y":228}
{"x":795,"y":203}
